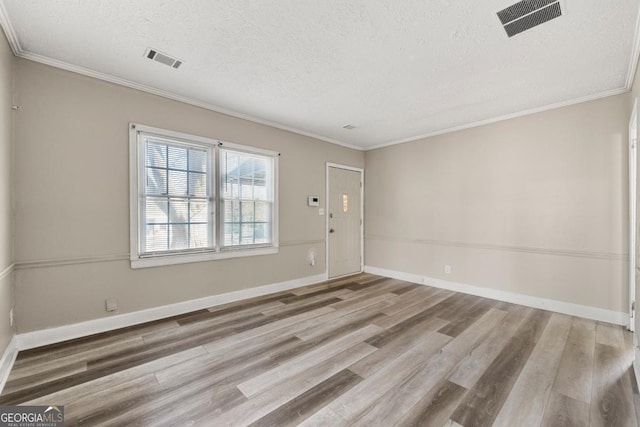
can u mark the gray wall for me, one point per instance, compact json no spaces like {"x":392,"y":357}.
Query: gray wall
{"x":535,"y":205}
{"x":72,"y":200}
{"x":6,"y":257}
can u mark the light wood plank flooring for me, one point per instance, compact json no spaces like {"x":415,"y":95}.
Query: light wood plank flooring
{"x":364,"y":350}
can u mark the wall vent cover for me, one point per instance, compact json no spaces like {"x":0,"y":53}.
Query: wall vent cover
{"x":162,"y":58}
{"x":527,"y":14}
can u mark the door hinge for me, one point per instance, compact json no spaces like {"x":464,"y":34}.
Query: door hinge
{"x":633,"y":309}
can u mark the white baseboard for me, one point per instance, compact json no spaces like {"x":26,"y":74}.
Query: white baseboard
{"x":588,"y":312}
{"x":43,"y":337}
{"x":7,"y":360}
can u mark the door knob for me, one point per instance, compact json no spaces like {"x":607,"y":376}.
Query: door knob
{"x":331,"y":230}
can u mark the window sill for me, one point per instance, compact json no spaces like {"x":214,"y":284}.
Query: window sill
{"x":162,"y":260}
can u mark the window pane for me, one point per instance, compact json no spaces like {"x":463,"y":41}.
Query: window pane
{"x":199,"y":237}
{"x":263,"y":212}
{"x":156,"y":181}
{"x":262,"y":233}
{"x":260,"y":168}
{"x":177,"y":158}
{"x":156,"y":238}
{"x":247,"y":234}
{"x":177,"y":183}
{"x":197,"y":160}
{"x":178,"y":237}
{"x":198,"y":185}
{"x":247,"y":212}
{"x":188,"y":224}
{"x":230,"y":188}
{"x":245,"y":166}
{"x":260,"y":191}
{"x":246,"y":188}
{"x":156,"y":210}
{"x":199,"y":211}
{"x":156,"y":155}
{"x":178,"y":210}
{"x":230,"y":162}
{"x":231,"y":234}
{"x":231,"y":211}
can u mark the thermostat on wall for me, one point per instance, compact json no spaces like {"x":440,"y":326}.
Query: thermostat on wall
{"x":314,"y":201}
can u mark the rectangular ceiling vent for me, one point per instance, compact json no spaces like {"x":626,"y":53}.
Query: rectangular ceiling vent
{"x":162,"y":58}
{"x":527,"y":14}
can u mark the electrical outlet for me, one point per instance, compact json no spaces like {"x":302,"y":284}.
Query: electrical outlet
{"x":447,"y":269}
{"x":111,"y":304}
{"x":11,"y":317}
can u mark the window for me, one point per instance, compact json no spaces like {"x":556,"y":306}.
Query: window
{"x":180,"y":182}
{"x":176,"y":204}
{"x":247,"y":198}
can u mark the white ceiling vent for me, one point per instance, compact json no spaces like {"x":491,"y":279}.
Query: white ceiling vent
{"x":527,"y":14}
{"x":162,"y":58}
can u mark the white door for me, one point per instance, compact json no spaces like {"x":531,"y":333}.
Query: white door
{"x":344,"y":221}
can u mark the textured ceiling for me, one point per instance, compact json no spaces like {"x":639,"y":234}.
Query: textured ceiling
{"x":395,"y":70}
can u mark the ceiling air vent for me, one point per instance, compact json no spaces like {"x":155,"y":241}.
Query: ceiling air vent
{"x":162,"y":58}
{"x":527,"y":14}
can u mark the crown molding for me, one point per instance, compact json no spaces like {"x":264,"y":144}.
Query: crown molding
{"x":548,"y":107}
{"x":173,"y":96}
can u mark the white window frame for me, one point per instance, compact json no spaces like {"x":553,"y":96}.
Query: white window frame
{"x":218,"y":251}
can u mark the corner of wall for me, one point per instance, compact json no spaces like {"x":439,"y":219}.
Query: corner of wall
{"x":8,"y":349}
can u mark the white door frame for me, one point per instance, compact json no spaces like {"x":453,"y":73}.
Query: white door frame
{"x":326,"y":236}
{"x":633,"y":132}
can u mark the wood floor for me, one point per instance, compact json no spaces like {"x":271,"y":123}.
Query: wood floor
{"x":364,"y":350}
